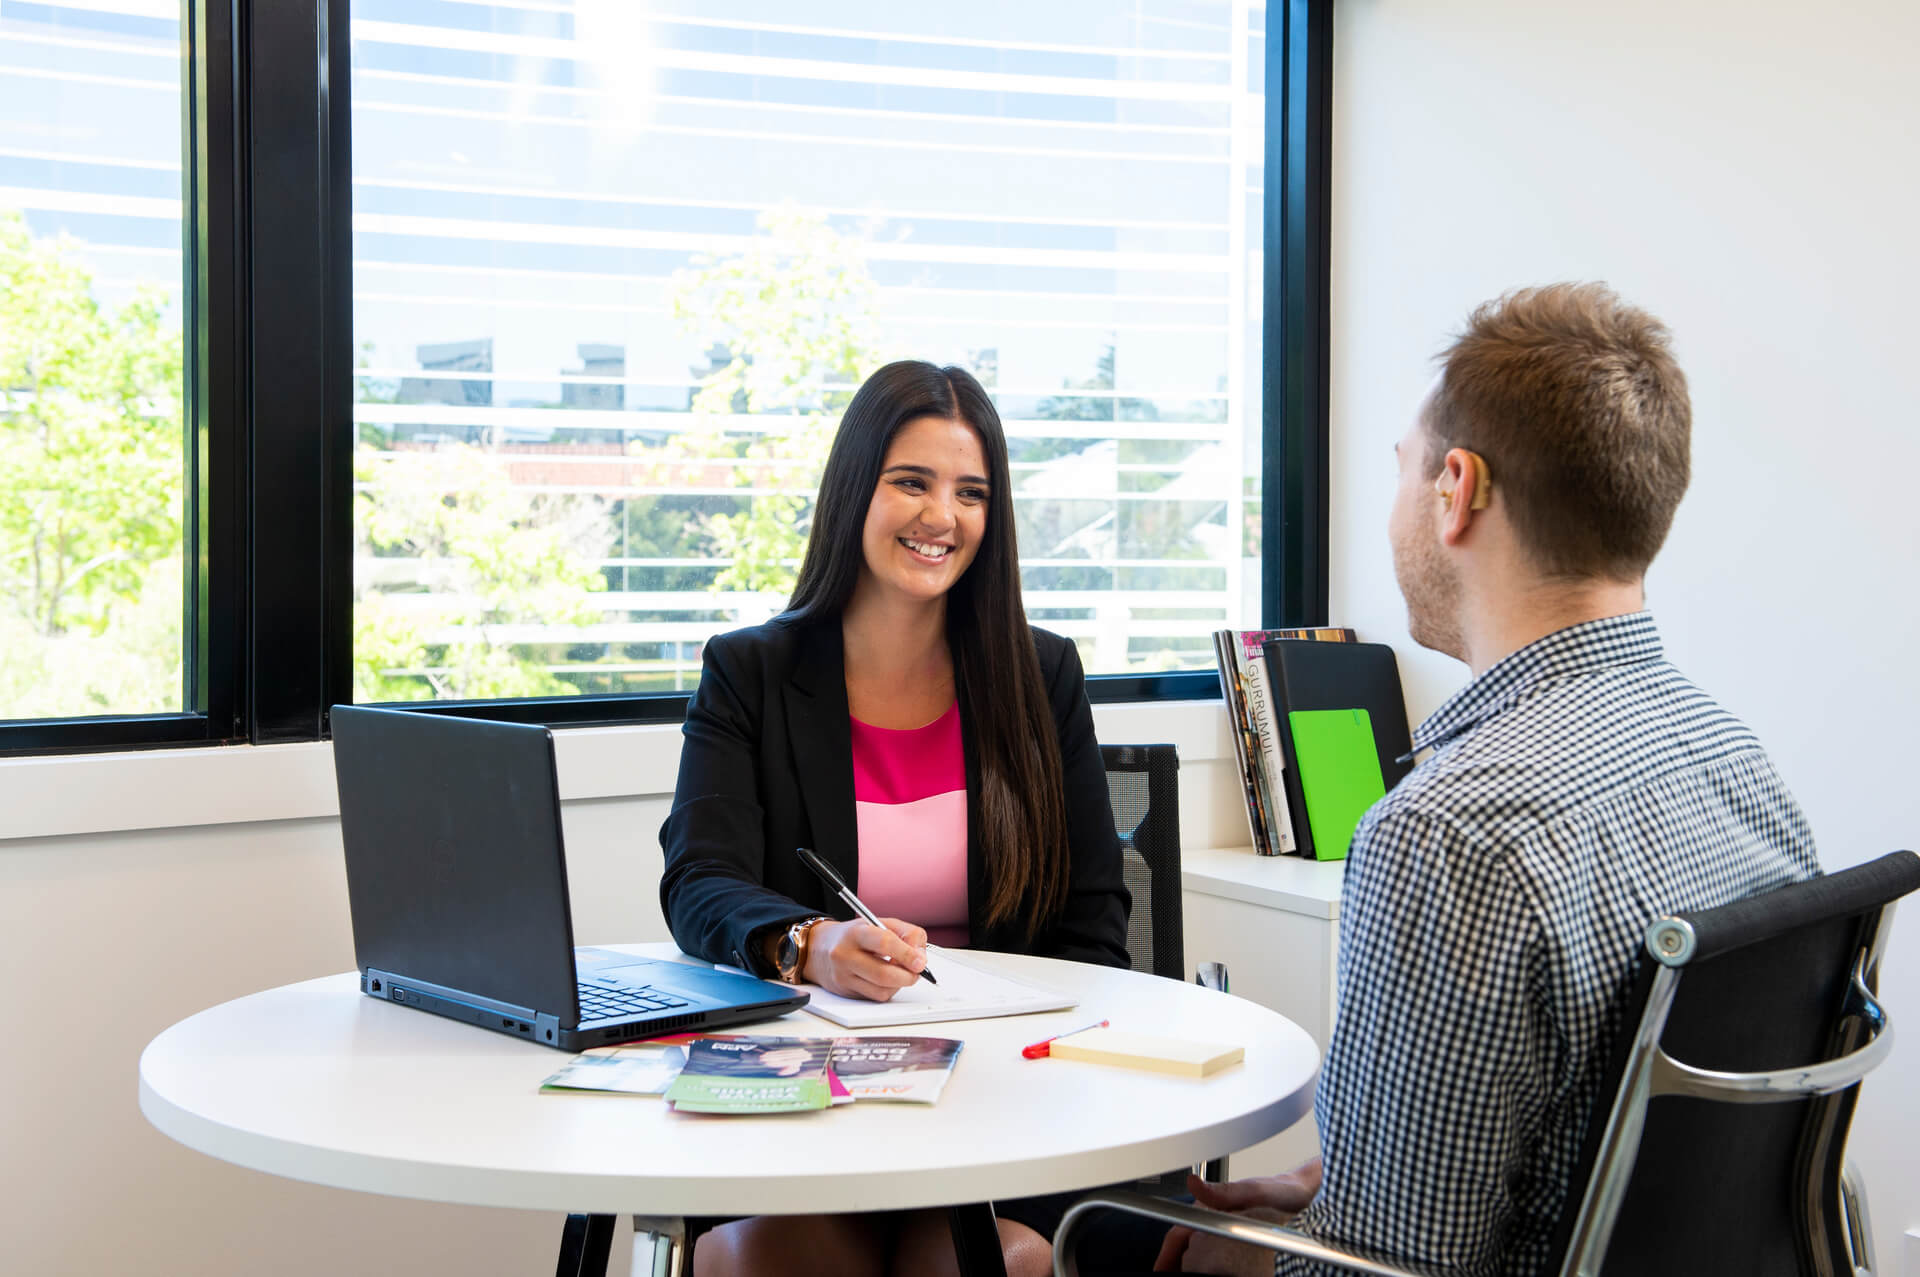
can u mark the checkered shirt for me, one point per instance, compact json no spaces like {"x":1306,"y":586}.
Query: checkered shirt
{"x":1492,"y":908}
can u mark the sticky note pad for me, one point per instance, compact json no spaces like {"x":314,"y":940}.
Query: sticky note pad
{"x":1339,"y":774}
{"x":1146,"y":1051}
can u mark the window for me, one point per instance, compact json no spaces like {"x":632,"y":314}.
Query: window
{"x":93,"y":515}
{"x":415,"y":350}
{"x":618,"y":267}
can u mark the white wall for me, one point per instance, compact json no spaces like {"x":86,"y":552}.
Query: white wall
{"x":138,"y":889}
{"x":1747,"y":172}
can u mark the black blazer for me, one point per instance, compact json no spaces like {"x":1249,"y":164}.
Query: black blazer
{"x":767,"y":766}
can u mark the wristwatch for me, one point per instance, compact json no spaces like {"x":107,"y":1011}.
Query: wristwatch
{"x":790,"y":952}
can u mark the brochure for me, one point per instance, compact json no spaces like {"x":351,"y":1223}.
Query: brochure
{"x":639,"y":1068}
{"x":909,"y":1070}
{"x":753,"y":1075}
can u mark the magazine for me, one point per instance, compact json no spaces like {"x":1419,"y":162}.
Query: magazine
{"x":753,"y":1075}
{"x":907,"y":1070}
{"x":1253,"y":715}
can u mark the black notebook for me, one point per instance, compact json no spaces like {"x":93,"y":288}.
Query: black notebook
{"x":1308,"y":676}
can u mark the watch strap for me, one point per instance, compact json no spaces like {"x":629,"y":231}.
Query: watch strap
{"x":798,"y":936}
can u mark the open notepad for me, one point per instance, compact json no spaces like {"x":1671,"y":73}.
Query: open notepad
{"x":965,"y":992}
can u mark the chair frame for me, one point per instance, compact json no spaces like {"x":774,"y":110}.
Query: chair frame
{"x":1650,"y":1071}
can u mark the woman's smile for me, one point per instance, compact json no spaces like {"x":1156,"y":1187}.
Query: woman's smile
{"x":931,"y":551}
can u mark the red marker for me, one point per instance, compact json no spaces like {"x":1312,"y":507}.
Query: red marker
{"x":1039,"y":1050}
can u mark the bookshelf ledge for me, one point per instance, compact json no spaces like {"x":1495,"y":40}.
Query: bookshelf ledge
{"x":1289,"y":883}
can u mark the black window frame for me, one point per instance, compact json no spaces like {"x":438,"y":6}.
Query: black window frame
{"x":268,"y":225}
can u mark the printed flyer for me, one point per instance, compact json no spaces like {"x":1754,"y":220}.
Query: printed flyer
{"x":639,"y":1068}
{"x":909,"y":1070}
{"x":753,"y":1075}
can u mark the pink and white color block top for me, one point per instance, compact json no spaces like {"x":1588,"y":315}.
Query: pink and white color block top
{"x":910,"y":800}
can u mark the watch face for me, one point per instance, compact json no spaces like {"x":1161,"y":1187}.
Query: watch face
{"x":786,"y":957}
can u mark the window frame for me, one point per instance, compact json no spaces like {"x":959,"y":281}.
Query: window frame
{"x":213,"y":329}
{"x":268,"y":228}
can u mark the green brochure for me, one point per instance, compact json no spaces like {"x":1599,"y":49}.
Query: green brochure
{"x":1339,"y":774}
{"x":753,"y":1075}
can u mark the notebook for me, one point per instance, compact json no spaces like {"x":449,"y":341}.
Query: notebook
{"x":965,"y":992}
{"x":1339,"y":773}
{"x":457,"y":883}
{"x":1337,"y":676}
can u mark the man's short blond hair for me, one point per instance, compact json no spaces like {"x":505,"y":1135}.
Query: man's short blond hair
{"x":1575,"y":401}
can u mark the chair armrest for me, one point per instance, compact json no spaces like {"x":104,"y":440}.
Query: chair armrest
{"x":1671,"y":1077}
{"x":1287,"y":1241}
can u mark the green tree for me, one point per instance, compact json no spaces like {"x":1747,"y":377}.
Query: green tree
{"x":91,"y":488}
{"x":447,"y":553}
{"x":792,"y":318}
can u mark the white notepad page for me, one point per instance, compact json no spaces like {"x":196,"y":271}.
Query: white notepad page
{"x":965,"y":992}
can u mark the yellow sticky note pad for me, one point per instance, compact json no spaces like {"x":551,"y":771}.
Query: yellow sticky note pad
{"x":1182,"y":1056}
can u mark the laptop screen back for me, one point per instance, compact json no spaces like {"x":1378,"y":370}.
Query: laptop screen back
{"x":455,"y":871}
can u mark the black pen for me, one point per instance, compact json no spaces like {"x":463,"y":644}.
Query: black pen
{"x":839,"y":885}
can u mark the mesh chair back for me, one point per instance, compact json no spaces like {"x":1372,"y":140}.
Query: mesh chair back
{"x":1741,"y":1187}
{"x":1143,"y":784}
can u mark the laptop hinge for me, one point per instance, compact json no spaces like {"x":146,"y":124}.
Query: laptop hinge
{"x":391,"y":986}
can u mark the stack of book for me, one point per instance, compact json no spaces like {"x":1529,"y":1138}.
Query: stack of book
{"x":1319,"y":729}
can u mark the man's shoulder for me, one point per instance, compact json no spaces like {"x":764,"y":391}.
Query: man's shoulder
{"x":1577,"y":741}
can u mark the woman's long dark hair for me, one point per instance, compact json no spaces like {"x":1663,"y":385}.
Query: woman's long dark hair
{"x":1022,"y":800}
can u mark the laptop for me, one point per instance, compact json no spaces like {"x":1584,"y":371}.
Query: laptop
{"x":457,"y":882}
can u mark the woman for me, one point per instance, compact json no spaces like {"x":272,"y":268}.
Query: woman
{"x":902,"y":720}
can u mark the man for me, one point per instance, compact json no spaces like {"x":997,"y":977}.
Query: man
{"x":1578,"y":787}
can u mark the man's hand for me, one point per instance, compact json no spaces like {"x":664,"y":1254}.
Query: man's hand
{"x":1274,"y":1199}
{"x":858,"y":960}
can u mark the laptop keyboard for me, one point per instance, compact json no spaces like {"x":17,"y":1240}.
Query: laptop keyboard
{"x":600,"y":1002}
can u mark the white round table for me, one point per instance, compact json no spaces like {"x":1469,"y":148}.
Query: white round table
{"x":317,"y":1082}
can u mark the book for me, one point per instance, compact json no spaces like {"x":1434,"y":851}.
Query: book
{"x":1339,"y":772}
{"x":635,"y":1068}
{"x":1146,"y":1051}
{"x":903,"y":1070}
{"x":1253,"y":719}
{"x":753,"y":1075}
{"x":1338,"y":676}
{"x":1245,"y":745}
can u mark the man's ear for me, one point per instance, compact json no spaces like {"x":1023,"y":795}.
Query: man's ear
{"x":1462,"y":485}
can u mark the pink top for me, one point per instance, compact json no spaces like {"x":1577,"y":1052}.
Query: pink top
{"x":910,"y":799}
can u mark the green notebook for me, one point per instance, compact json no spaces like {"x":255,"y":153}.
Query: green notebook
{"x":1339,"y":774}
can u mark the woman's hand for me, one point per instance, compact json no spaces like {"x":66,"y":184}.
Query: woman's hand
{"x":859,"y":960}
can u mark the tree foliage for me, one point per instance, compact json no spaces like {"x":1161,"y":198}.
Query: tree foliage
{"x":448,"y":553}
{"x":91,"y":451}
{"x":793,"y":319}
{"x":91,"y":490}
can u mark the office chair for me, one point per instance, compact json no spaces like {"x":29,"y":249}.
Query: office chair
{"x":1143,"y":785}
{"x":1719,"y":1143}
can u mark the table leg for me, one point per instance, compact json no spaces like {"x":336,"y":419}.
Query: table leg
{"x":976,"y":1240}
{"x":584,"y":1246}
{"x":660,"y":1246}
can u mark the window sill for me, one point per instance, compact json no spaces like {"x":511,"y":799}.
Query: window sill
{"x":52,"y":796}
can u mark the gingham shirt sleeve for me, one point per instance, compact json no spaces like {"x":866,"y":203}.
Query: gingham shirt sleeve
{"x":1436,"y":1078}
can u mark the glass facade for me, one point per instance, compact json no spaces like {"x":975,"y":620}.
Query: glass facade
{"x":618,"y":266}
{"x":92,"y":464}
